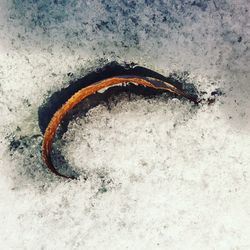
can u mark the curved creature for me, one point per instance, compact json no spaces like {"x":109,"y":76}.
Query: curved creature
{"x":83,"y":93}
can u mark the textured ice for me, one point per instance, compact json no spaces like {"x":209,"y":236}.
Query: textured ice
{"x":161,"y":173}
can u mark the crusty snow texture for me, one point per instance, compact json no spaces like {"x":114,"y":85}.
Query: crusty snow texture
{"x":161,"y":173}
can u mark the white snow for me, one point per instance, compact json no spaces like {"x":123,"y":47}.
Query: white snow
{"x":162,"y":174}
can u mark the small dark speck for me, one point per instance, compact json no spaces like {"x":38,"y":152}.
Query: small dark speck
{"x":15,"y":144}
{"x":164,"y":19}
{"x":70,"y":74}
{"x":210,"y":101}
{"x":102,"y":190}
{"x":239,"y":39}
{"x":216,"y":92}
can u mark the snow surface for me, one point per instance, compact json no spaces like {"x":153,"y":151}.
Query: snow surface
{"x":162,"y":174}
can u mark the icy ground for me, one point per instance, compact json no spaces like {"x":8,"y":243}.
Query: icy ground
{"x":162,"y":174}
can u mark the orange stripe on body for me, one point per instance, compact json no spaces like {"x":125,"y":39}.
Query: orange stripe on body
{"x":81,"y":95}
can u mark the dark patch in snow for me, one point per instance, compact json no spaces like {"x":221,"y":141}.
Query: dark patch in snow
{"x":53,"y":103}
